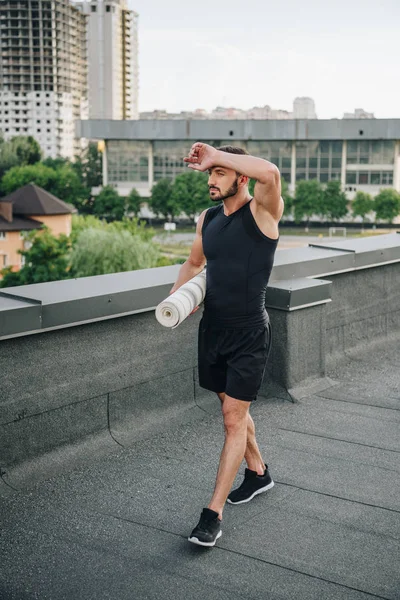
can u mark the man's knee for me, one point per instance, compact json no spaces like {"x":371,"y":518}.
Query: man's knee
{"x":235,"y":415}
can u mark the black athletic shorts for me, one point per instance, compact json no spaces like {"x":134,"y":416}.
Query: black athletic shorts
{"x":233,"y":360}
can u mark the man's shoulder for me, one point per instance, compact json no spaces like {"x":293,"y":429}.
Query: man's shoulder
{"x":210,"y":213}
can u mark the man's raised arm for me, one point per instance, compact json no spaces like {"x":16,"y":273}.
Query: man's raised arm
{"x":267,"y":192}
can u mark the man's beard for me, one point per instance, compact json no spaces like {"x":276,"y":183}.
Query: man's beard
{"x":231,"y":192}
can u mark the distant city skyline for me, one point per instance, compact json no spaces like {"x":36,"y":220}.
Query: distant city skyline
{"x":218,"y":54}
{"x":303,"y":108}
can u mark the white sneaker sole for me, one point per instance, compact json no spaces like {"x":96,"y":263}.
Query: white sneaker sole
{"x":260,"y":491}
{"x":194,"y":540}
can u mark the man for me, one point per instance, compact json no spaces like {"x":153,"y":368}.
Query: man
{"x":237,"y":239}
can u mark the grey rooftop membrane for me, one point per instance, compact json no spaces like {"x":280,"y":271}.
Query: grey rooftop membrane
{"x":117,"y":526}
{"x":367,"y":251}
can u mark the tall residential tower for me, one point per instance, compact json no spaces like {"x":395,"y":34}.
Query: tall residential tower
{"x":43,"y":72}
{"x":112,"y":59}
{"x":304,"y":108}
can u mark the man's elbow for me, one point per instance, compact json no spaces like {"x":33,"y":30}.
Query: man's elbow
{"x":196,"y":263}
{"x":270,"y":175}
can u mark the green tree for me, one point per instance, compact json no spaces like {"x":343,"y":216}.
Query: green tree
{"x":93,"y":165}
{"x":63,"y":183}
{"x":8,"y":158}
{"x":134,"y":226}
{"x":68,"y":187}
{"x":307,"y":201}
{"x":133,"y":202}
{"x":160,"y":201}
{"x":46,"y":260}
{"x":333,"y":201}
{"x":387,"y":205}
{"x":99,"y":251}
{"x":55,"y":163}
{"x":109,"y":204}
{"x":362,"y":205}
{"x":26,"y":148}
{"x":39,"y":174}
{"x":190,"y":193}
{"x":83,"y":222}
{"x":89,"y":166}
{"x":18,"y":151}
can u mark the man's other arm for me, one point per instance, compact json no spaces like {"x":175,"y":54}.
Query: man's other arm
{"x":196,"y":261}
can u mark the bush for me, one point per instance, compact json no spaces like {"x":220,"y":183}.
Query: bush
{"x":133,"y":226}
{"x":98,"y":251}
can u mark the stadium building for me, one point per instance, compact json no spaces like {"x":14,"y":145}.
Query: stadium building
{"x":364,"y":154}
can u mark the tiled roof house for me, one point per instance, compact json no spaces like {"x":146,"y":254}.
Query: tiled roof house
{"x":25,"y":209}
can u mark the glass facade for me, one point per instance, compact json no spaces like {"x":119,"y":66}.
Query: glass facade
{"x":168,"y":156}
{"x":279,"y":153}
{"x":127,"y":161}
{"x":168,"y":159}
{"x":370,"y":177}
{"x":370,"y":152}
{"x":318,"y":160}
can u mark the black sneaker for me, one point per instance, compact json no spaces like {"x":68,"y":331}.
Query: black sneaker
{"x":252,"y":485}
{"x":208,"y":529}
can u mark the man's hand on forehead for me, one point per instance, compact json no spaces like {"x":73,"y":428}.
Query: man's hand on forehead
{"x":201,"y":157}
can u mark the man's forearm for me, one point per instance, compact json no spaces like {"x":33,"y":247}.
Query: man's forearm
{"x":250,"y":166}
{"x":186,"y":272}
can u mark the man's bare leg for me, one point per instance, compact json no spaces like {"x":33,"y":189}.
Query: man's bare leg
{"x":252,"y":453}
{"x":235,"y":413}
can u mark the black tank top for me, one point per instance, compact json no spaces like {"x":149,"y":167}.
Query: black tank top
{"x":239,"y":263}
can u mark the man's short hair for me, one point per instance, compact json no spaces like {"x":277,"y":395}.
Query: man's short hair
{"x":232,"y":149}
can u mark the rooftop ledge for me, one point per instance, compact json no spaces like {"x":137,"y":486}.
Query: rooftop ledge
{"x":294,"y":285}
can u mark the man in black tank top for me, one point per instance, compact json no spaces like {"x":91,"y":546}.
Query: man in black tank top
{"x":237,"y":239}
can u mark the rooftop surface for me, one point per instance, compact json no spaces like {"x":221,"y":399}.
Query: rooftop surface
{"x":117,"y":527}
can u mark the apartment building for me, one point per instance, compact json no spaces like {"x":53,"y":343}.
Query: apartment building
{"x":112,"y":34}
{"x":43,"y":73}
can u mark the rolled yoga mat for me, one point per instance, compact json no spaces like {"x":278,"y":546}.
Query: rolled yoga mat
{"x":178,"y":306}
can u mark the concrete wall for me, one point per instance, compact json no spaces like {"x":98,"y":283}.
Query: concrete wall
{"x":56,"y":223}
{"x":365,"y":307}
{"x":9,"y":247}
{"x":250,"y":129}
{"x":61,"y":385}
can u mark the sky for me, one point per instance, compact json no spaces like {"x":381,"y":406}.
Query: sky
{"x":208,"y":53}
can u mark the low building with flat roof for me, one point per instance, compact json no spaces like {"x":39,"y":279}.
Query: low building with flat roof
{"x":364,"y":154}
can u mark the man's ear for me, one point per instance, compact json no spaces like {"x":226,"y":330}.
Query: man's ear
{"x":243,"y":180}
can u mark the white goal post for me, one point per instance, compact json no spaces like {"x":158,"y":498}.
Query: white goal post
{"x":333,"y":230}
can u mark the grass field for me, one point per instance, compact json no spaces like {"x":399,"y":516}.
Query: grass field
{"x":180,"y":250}
{"x":175,"y":250}
{"x":313,"y":231}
